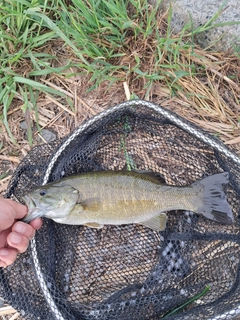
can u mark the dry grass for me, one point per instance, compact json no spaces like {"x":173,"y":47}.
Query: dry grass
{"x":8,"y":313}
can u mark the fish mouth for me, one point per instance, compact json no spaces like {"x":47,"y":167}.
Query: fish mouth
{"x":33,"y":211}
{"x":28,"y":201}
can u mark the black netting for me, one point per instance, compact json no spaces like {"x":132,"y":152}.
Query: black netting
{"x":130,"y":271}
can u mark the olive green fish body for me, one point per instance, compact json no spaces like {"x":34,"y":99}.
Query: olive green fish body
{"x":116,"y":198}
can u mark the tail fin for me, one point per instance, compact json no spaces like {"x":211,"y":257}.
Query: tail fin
{"x":215,"y":205}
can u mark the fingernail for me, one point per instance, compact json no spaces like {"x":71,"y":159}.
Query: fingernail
{"x":19,"y":227}
{"x":15,"y":238}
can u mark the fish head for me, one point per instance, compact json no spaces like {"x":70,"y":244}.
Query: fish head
{"x":51,"y":201}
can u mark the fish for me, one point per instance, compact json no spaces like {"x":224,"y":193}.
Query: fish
{"x":99,"y":198}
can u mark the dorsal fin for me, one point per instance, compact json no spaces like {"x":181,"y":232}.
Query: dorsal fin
{"x":153,"y":176}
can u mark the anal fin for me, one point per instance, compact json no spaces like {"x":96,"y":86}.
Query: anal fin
{"x":157,"y":223}
{"x":94,"y":225}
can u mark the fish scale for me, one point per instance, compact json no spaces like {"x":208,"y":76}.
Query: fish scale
{"x":123,"y":202}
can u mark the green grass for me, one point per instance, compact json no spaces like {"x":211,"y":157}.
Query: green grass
{"x":122,"y":41}
{"x":187,"y":303}
{"x":110,"y":40}
{"x":21,"y":37}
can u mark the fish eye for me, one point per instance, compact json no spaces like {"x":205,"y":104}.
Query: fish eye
{"x":42,"y":192}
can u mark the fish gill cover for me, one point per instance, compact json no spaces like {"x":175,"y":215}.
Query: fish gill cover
{"x":130,"y":271}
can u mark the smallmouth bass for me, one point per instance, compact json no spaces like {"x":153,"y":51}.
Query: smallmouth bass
{"x":103,"y":198}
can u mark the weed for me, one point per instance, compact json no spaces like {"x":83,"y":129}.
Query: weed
{"x":187,"y":303}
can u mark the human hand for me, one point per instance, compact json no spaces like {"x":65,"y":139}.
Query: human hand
{"x":14,"y":234}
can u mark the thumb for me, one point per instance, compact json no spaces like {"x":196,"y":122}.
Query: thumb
{"x":9,"y":211}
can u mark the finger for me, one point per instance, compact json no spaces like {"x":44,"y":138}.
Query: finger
{"x":3,"y":237}
{"x":7,"y":256}
{"x":9,"y":211}
{"x":23,"y":229}
{"x":20,"y":209}
{"x":18,"y":241}
{"x":2,"y":264}
{"x":36,"y":223}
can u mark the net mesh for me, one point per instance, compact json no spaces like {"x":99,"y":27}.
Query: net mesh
{"x":129,"y":271}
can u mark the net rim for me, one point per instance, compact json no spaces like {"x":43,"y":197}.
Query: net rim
{"x":173,"y":118}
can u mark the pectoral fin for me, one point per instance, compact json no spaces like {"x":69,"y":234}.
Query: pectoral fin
{"x":157,"y":223}
{"x":91,"y":204}
{"x":77,"y":208}
{"x":94,"y":225}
